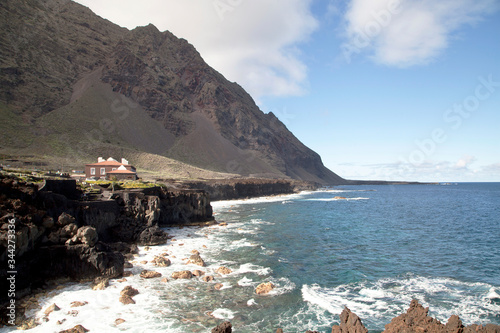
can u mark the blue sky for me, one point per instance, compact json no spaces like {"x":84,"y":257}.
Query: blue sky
{"x":381,"y":89}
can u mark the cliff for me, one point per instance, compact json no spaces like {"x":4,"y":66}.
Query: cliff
{"x":230,"y":189}
{"x":76,"y":86}
{"x":59,"y":237}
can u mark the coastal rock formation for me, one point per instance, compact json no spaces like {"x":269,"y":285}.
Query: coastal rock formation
{"x":208,"y":278}
{"x":224,"y":270}
{"x":228,"y":189}
{"x":349,"y":323}
{"x":51,"y":308}
{"x":76,"y":329}
{"x":161,"y":261}
{"x":129,"y":291}
{"x":100,"y":283}
{"x":77,"y":304}
{"x":195,"y":259}
{"x":416,"y":319}
{"x":145,"y":274}
{"x":59,"y":237}
{"x":125,"y":299}
{"x":225,"y":327}
{"x":182,"y":275}
{"x":264,"y":288}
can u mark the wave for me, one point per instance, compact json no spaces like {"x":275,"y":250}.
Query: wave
{"x":224,"y":204}
{"x":251,"y":268}
{"x":380,"y":301}
{"x":223,"y":314}
{"x":338,"y":199}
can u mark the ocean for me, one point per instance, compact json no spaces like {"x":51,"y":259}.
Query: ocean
{"x":370,"y":248}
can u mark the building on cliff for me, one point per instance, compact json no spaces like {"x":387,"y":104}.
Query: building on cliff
{"x":110,"y":169}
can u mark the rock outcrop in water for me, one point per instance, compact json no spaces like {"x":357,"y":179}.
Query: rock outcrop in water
{"x":415,"y":320}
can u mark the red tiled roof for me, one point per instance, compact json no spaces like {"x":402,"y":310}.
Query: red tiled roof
{"x":121,"y":171}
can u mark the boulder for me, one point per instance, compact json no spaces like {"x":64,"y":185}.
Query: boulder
{"x":264,"y":288}
{"x":152,"y":236}
{"x":145,"y":274}
{"x":198,"y":273}
{"x":51,"y":309}
{"x":349,"y":323}
{"x":86,"y":235}
{"x":182,"y":275}
{"x":195,"y":259}
{"x":224,"y":270}
{"x":119,"y":321}
{"x":76,"y":329}
{"x":208,"y":278}
{"x":126,"y":300}
{"x":48,"y":222}
{"x":76,"y":304}
{"x":161,"y":261}
{"x":100,"y":283}
{"x":65,"y":219}
{"x":218,"y":286}
{"x":225,"y":327}
{"x":129,"y":291}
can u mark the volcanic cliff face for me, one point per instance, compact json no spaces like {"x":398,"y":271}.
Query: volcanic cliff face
{"x":70,"y":74}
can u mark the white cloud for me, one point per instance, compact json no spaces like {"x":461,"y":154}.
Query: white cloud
{"x":465,"y":162}
{"x":429,"y":171}
{"x":252,"y":42}
{"x":407,"y":32}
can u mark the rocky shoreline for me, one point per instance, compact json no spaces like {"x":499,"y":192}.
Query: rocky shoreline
{"x":96,"y":241}
{"x":56,"y":233}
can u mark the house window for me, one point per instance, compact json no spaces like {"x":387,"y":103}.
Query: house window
{"x":103,"y":171}
{"x":92,"y":171}
{"x":113,"y":169}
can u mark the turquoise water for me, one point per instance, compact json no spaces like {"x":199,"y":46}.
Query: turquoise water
{"x":377,"y":250}
{"x":373,"y":251}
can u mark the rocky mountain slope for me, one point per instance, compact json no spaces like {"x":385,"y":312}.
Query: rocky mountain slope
{"x":76,"y":86}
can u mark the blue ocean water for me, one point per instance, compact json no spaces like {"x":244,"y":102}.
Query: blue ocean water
{"x":377,"y":250}
{"x":370,"y":248}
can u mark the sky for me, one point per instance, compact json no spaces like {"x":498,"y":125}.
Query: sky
{"x":381,"y":89}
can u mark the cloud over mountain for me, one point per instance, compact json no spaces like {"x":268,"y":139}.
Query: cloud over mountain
{"x":253,"y":42}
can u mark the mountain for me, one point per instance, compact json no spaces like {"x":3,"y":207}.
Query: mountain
{"x":74,"y":86}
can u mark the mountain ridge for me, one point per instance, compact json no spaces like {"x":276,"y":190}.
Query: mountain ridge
{"x":77,"y":85}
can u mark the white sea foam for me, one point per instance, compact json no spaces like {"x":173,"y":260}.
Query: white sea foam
{"x":224,"y":204}
{"x":223,"y":314}
{"x":251,"y":302}
{"x":493,"y":294}
{"x":246,"y":282}
{"x":384,"y":299}
{"x":338,"y":199}
{"x":251,"y":268}
{"x":282,"y":286}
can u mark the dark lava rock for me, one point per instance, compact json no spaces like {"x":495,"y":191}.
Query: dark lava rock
{"x":225,"y":327}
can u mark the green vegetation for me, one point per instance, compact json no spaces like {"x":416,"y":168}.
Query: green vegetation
{"x":118,"y":185}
